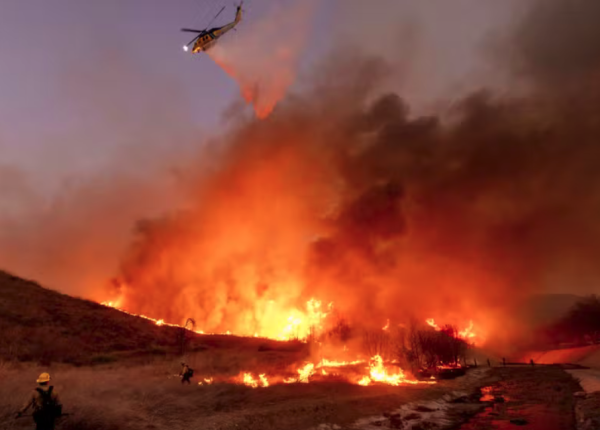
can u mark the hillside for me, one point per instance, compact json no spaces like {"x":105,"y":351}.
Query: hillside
{"x":588,"y":356}
{"x":37,"y":324}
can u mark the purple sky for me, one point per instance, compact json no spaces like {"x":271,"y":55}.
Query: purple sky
{"x":58,"y":78}
{"x":81,"y":78}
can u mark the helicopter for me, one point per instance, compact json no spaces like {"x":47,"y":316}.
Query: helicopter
{"x":206,"y":39}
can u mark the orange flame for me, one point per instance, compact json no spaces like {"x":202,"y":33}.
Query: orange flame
{"x":327,"y":363}
{"x":158,"y":322}
{"x":250,"y":381}
{"x":314,"y":316}
{"x":298,"y":325}
{"x":379,"y":373}
{"x":304,"y":374}
{"x":264,"y":381}
{"x":432,"y":323}
{"x":468,"y":332}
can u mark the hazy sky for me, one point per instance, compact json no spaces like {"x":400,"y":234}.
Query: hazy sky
{"x":81,"y":81}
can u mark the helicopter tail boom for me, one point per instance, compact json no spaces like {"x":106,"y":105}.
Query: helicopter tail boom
{"x":238,"y":17}
{"x":238,"y":13}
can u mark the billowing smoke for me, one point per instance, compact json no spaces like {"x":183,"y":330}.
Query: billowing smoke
{"x":559,"y":43}
{"x":342,"y":195}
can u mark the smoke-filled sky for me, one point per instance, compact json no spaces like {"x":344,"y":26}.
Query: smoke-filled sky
{"x":71,"y":69}
{"x":418,"y":181}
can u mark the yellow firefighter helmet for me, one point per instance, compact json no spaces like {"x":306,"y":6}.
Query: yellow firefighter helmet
{"x":44,"y":377}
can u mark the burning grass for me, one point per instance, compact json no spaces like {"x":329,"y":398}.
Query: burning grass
{"x":127,"y":397}
{"x":424,"y":346}
{"x":40,"y":325}
{"x":54,"y":328}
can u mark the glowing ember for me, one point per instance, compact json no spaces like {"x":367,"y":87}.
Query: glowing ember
{"x":387,"y":325}
{"x":206,"y":381}
{"x":449,"y":366}
{"x":486,"y":394}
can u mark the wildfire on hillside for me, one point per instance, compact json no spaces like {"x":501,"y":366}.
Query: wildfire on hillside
{"x":344,"y":195}
{"x":297,"y":326}
{"x":360,"y":371}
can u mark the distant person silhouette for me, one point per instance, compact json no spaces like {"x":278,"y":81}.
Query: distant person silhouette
{"x":186,"y":373}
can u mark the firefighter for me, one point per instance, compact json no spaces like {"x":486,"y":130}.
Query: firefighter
{"x":45,"y":403}
{"x":186,"y":373}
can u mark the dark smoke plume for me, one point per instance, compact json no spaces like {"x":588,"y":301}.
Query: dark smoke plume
{"x":559,"y":42}
{"x":343,"y":195}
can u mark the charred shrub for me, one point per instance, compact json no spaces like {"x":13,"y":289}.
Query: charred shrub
{"x":423,"y":347}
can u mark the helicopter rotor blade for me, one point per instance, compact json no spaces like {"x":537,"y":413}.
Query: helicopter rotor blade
{"x":191,"y":30}
{"x":212,"y":20}
{"x":193,"y":40}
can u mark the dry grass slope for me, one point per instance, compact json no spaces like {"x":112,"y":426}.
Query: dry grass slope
{"x":40,"y":325}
